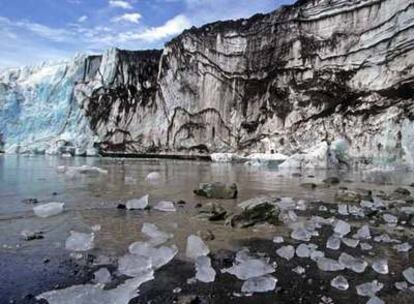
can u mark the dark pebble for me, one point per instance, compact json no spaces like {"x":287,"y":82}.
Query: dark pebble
{"x":121,"y":206}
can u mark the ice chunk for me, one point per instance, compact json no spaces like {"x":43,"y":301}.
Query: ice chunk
{"x":157,"y":237}
{"x":95,"y":294}
{"x":278,"y":240}
{"x":333,"y":243}
{"x":380,"y":266}
{"x":286,"y":252}
{"x":102,"y":276}
{"x":350,"y":242}
{"x":355,"y":264}
{"x":158,"y":256}
{"x":246,"y":266}
{"x":138,"y":204}
{"x":47,"y":210}
{"x":343,"y":209}
{"x":316,"y":255}
{"x":409,"y":275}
{"x":96,"y":228}
{"x":153,"y":176}
{"x":204,"y":271}
{"x":369,"y":289}
{"x":401,"y":285}
{"x":134,"y":265}
{"x":259,"y":284}
{"x":385,"y":238}
{"x":365,"y":246}
{"x":340,"y":282}
{"x":363,"y":233}
{"x":405,"y":247}
{"x":390,"y":219}
{"x":299,"y":270}
{"x":301,"y":234}
{"x":342,"y":228}
{"x":305,"y":250}
{"x":375,"y":300}
{"x":165,"y":206}
{"x":196,"y":247}
{"x":326,"y":264}
{"x":78,"y":241}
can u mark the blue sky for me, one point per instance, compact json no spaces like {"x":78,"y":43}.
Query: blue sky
{"x":36,"y":30}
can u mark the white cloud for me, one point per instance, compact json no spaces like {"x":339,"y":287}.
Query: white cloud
{"x":120,"y":4}
{"x":83,"y":18}
{"x":132,"y":18}
{"x":172,"y":27}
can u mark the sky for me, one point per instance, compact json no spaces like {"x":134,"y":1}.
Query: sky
{"x":33,"y":31}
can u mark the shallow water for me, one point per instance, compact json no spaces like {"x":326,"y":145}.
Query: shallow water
{"x":92,"y":199}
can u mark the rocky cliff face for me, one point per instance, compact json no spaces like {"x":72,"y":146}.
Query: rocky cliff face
{"x":315,"y":71}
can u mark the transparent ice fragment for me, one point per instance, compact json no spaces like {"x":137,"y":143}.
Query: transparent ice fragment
{"x":363,"y":233}
{"x":286,"y":252}
{"x":343,"y":209}
{"x":196,"y":247}
{"x":350,"y":242}
{"x":390,"y":219}
{"x":204,"y":271}
{"x":355,"y":264}
{"x":153,"y":178}
{"x":78,"y":241}
{"x":305,"y":250}
{"x":138,"y":204}
{"x":102,"y":276}
{"x":159,"y":256}
{"x":157,"y":237}
{"x":375,"y":300}
{"x":401,"y":285}
{"x":299,"y":270}
{"x":134,"y":265}
{"x":165,"y":206}
{"x":95,"y":294}
{"x":342,"y":228}
{"x":326,"y":264}
{"x":259,"y":284}
{"x":301,"y":234}
{"x":369,"y":289}
{"x":409,"y":275}
{"x":246,"y":267}
{"x":340,"y":282}
{"x":365,"y":246}
{"x":380,"y":266}
{"x":278,"y":240}
{"x":47,"y":210}
{"x":333,"y":243}
{"x":404,"y":247}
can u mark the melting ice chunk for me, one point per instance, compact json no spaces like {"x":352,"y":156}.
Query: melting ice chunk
{"x":78,"y":241}
{"x":153,"y":178}
{"x":165,"y":206}
{"x":401,"y":285}
{"x":204,"y":271}
{"x":342,"y":228}
{"x":404,"y":247}
{"x":138,"y":204}
{"x":196,"y":247}
{"x":259,"y":284}
{"x":365,"y":246}
{"x":326,"y":264}
{"x":158,"y":256}
{"x":301,"y":234}
{"x":286,"y":252}
{"x":363,"y":233}
{"x":409,"y":275}
{"x":246,"y":266}
{"x":350,"y":242}
{"x":47,"y":210}
{"x":134,"y":265}
{"x":355,"y":264}
{"x":278,"y":240}
{"x":375,"y":300}
{"x":157,"y":237}
{"x":390,"y":219}
{"x":333,"y":243}
{"x":369,"y":289}
{"x":340,"y":282}
{"x":305,"y":250}
{"x":95,"y":294}
{"x":380,"y":266}
{"x":102,"y":276}
{"x":343,"y":209}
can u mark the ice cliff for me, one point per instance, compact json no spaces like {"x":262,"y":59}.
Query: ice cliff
{"x":319,"y":70}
